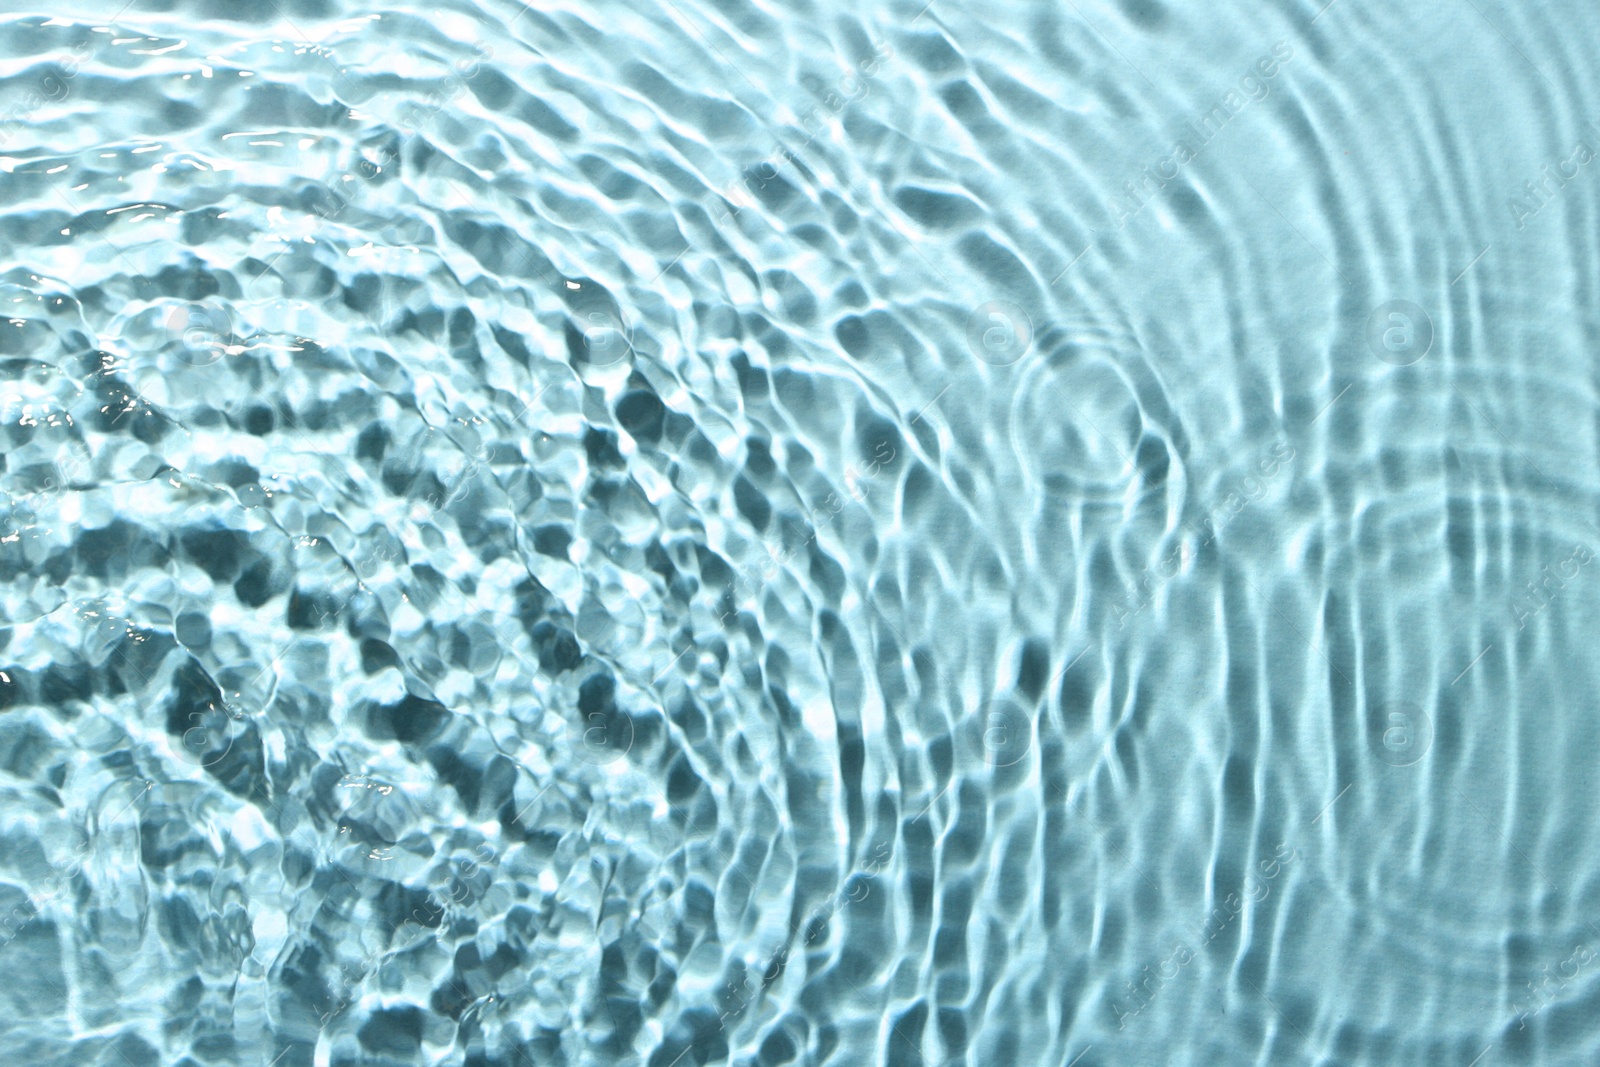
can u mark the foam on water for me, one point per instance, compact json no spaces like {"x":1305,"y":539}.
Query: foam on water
{"x":698,"y":533}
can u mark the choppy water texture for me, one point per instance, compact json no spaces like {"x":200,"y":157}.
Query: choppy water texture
{"x":704,"y":532}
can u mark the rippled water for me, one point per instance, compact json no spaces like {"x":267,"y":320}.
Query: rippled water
{"x":703,"y":532}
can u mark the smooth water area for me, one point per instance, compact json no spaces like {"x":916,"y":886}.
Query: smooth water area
{"x":700,"y":532}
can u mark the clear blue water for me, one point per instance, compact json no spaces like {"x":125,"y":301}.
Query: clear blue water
{"x":703,"y":532}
